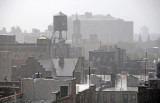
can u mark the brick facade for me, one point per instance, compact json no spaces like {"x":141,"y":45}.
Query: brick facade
{"x":29,"y":69}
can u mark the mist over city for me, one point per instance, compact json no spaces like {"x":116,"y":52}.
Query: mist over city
{"x":79,"y":51}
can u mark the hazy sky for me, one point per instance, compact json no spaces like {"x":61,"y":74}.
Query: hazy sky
{"x":30,"y":14}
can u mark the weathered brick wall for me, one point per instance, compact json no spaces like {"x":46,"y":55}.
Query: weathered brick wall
{"x":5,"y":66}
{"x":29,"y":69}
{"x":87,"y":96}
{"x":22,"y":51}
{"x":73,"y":91}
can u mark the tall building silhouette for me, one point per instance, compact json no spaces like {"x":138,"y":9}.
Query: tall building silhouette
{"x":140,"y":38}
{"x":106,"y":27}
{"x":148,"y":38}
{"x":144,"y":31}
{"x":77,"y":36}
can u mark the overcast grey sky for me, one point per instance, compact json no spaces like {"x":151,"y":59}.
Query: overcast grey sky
{"x":30,"y":14}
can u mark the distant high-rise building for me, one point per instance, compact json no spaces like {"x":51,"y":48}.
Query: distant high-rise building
{"x":140,"y":38}
{"x":107,"y":28}
{"x":148,"y":38}
{"x":144,"y":31}
{"x":35,"y":31}
{"x":93,"y":43}
{"x":77,"y":36}
{"x":50,"y":28}
{"x":16,"y":30}
{"x":3,"y":31}
{"x":7,"y":39}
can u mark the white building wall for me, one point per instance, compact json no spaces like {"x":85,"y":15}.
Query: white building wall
{"x":41,"y":89}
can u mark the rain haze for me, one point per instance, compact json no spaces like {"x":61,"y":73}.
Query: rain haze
{"x":38,"y":13}
{"x":79,"y":51}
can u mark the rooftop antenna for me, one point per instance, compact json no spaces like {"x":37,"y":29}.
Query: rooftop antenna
{"x":104,"y":76}
{"x":145,"y":67}
{"x":89,"y":77}
{"x":74,"y":70}
{"x":73,"y":74}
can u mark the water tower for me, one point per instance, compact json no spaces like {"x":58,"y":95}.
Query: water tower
{"x":60,"y":26}
{"x":59,"y":34}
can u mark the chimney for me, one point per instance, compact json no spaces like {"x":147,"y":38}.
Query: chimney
{"x":38,"y":75}
{"x":61,"y":62}
{"x":113,"y":78}
{"x":158,"y":70}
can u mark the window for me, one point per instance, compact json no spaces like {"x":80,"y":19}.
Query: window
{"x":133,"y":98}
{"x":64,"y":91}
{"x":112,"y":98}
{"x":125,"y":98}
{"x":104,"y":97}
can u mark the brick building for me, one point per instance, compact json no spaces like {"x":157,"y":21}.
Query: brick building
{"x":149,"y":92}
{"x":85,"y":93}
{"x":7,"y":39}
{"x":41,"y":49}
{"x":29,"y":69}
{"x":112,"y":95}
{"x":113,"y":58}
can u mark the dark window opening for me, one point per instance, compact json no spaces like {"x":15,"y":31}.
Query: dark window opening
{"x":64,"y":91}
{"x":125,"y":98}
{"x":133,"y":98}
{"x":112,"y":98}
